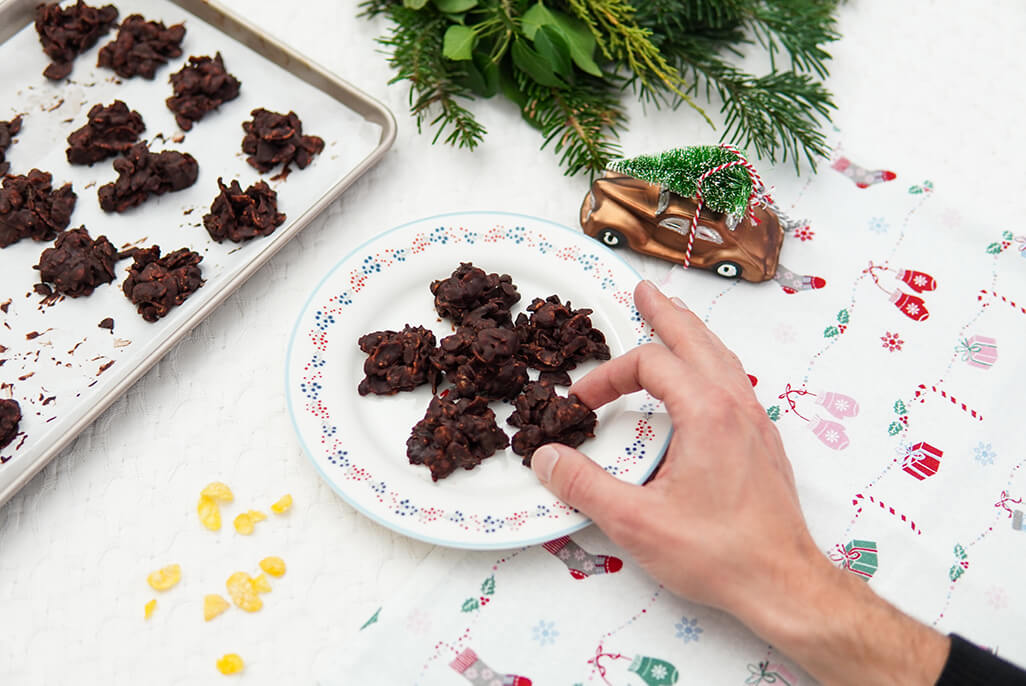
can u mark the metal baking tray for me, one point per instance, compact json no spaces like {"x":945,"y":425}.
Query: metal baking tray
{"x":62,"y":368}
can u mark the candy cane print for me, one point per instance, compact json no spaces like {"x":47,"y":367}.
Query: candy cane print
{"x":921,"y":397}
{"x":1003,"y":298}
{"x":857,"y":501}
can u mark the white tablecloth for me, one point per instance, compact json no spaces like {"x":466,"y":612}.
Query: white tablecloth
{"x":925,"y":89}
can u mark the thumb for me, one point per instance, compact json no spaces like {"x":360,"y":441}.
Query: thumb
{"x":579,"y":482}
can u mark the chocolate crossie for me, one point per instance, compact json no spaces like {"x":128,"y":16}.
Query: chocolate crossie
{"x":397,"y":361}
{"x":272,"y":139}
{"x":66,"y":33}
{"x":545,"y":417}
{"x":460,"y":433}
{"x":141,"y":47}
{"x":482,"y":363}
{"x":30,"y":208}
{"x":77,"y":264}
{"x":7,"y":130}
{"x":10,"y":417}
{"x":199,"y":87}
{"x":556,"y":337}
{"x":110,"y":131}
{"x":142,"y":173}
{"x":156,"y":284}
{"x":470,"y":292}
{"x":240,"y":216}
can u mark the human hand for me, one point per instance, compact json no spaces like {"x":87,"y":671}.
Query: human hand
{"x":720,"y":522}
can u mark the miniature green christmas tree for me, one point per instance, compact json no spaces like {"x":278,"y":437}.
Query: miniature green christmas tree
{"x":679,"y":169}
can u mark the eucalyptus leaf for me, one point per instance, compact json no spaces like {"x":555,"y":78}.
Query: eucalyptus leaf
{"x":414,"y":4}
{"x":458,"y":43}
{"x":553,"y":47}
{"x":454,"y":6}
{"x":534,"y":65}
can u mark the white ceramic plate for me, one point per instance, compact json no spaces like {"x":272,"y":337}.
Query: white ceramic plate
{"x":358,"y":444}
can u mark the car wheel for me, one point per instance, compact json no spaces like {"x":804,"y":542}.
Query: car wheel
{"x":728,"y":270}
{"x":611,"y":238}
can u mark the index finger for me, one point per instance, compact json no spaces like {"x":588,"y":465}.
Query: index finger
{"x":650,"y":367}
{"x":679,"y":328}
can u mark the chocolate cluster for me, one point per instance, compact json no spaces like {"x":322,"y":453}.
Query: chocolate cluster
{"x":8,"y":129}
{"x":155,"y":284}
{"x":31,"y":208}
{"x":272,"y":139}
{"x":555,"y":338}
{"x":10,"y":417}
{"x":453,"y":434}
{"x":484,"y":300}
{"x":242,"y":215}
{"x":142,"y":173}
{"x":482,"y":363}
{"x":77,"y":264}
{"x":110,"y":132}
{"x":199,"y":87}
{"x":68,"y":32}
{"x":141,"y":47}
{"x":543,"y":416}
{"x":397,"y":361}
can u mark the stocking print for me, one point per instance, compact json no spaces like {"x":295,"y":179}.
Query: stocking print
{"x":478,"y":673}
{"x":579,"y":561}
{"x":863,"y":178}
{"x":792,"y":282}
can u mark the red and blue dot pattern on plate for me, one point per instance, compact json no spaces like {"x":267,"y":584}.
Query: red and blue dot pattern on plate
{"x":330,"y":316}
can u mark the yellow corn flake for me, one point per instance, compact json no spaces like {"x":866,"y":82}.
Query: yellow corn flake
{"x":244,"y":524}
{"x":218,"y":491}
{"x":230,"y":664}
{"x":283,"y":504}
{"x":243,"y":592}
{"x":257,"y":515}
{"x":165,"y":578}
{"x":149,"y":608}
{"x":273,"y":565}
{"x":209,"y":513}
{"x":213,"y":605}
{"x":261,"y":584}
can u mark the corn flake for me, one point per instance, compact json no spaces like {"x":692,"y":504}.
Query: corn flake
{"x":213,"y":605}
{"x":244,"y":524}
{"x":149,"y":608}
{"x":243,"y":592}
{"x":283,"y":504}
{"x":218,"y":491}
{"x":165,"y":578}
{"x":230,"y":664}
{"x":273,"y":565}
{"x":209,"y":513}
{"x":257,"y":515}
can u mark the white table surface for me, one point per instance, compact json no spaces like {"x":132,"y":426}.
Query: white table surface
{"x":922,"y":85}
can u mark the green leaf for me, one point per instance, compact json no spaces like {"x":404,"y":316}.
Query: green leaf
{"x":482,"y":75}
{"x":537,"y":16}
{"x":469,"y":605}
{"x":488,"y":586}
{"x":994,"y":249}
{"x":554,"y":49}
{"x":372,"y":620}
{"x":842,"y":316}
{"x":414,"y":4}
{"x":895,"y":428}
{"x":773,"y":413}
{"x":1007,"y":235}
{"x":534,"y":65}
{"x":831,"y":331}
{"x":579,"y":40}
{"x":458,"y":43}
{"x":454,"y":6}
{"x":899,"y":407}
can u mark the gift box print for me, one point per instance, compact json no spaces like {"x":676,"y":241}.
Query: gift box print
{"x":922,"y":460}
{"x":979,"y":351}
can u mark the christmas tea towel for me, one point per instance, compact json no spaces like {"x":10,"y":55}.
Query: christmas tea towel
{"x":890,"y":353}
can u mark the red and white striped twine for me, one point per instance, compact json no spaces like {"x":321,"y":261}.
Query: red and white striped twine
{"x":921,"y":397}
{"x":757,"y":185}
{"x":856,"y":501}
{"x":1003,"y":298}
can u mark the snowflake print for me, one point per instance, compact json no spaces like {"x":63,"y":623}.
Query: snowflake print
{"x":580,"y":554}
{"x":996,"y":597}
{"x":878,"y":225}
{"x":804,"y":234}
{"x":831,"y":436}
{"x":841,"y":404}
{"x":658,"y":672}
{"x":892,"y":342}
{"x":912,"y":308}
{"x":544,"y":633}
{"x":984,"y":453}
{"x":784,"y":333}
{"x":564,"y":554}
{"x":418,"y":622}
{"x":688,"y":630}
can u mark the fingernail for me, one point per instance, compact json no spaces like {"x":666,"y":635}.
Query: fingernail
{"x":543,"y":461}
{"x":679,"y":303}
{"x":648,"y":284}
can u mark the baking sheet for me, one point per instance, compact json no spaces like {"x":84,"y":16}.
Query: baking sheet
{"x":57,"y":363}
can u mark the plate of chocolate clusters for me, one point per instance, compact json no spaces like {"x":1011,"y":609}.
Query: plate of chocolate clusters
{"x":430,"y":363}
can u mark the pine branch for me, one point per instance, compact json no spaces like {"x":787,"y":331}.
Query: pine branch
{"x":801,"y":27}
{"x":415,"y":40}
{"x":372,"y":8}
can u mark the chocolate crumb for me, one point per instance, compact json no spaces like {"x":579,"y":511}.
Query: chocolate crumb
{"x":5,"y":305}
{"x":241,"y":216}
{"x":107,"y":323}
{"x":8,"y":129}
{"x":31,"y":208}
{"x":110,"y":132}
{"x":66,"y":33}
{"x":543,"y":417}
{"x":272,"y":139}
{"x":55,"y":106}
{"x":43,"y":289}
{"x":199,"y":87}
{"x":453,"y":434}
{"x":141,"y":47}
{"x":26,"y":376}
{"x":104,"y":367}
{"x":10,"y":417}
{"x":77,"y":264}
{"x":142,"y":173}
{"x":47,"y":401}
{"x":155,"y":284}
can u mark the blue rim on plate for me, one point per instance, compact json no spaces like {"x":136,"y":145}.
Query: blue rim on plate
{"x":636,"y":464}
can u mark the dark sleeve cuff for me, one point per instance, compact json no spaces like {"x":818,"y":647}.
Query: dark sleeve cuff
{"x":968,"y":665}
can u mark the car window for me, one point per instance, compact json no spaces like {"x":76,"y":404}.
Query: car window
{"x":683,"y":227}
